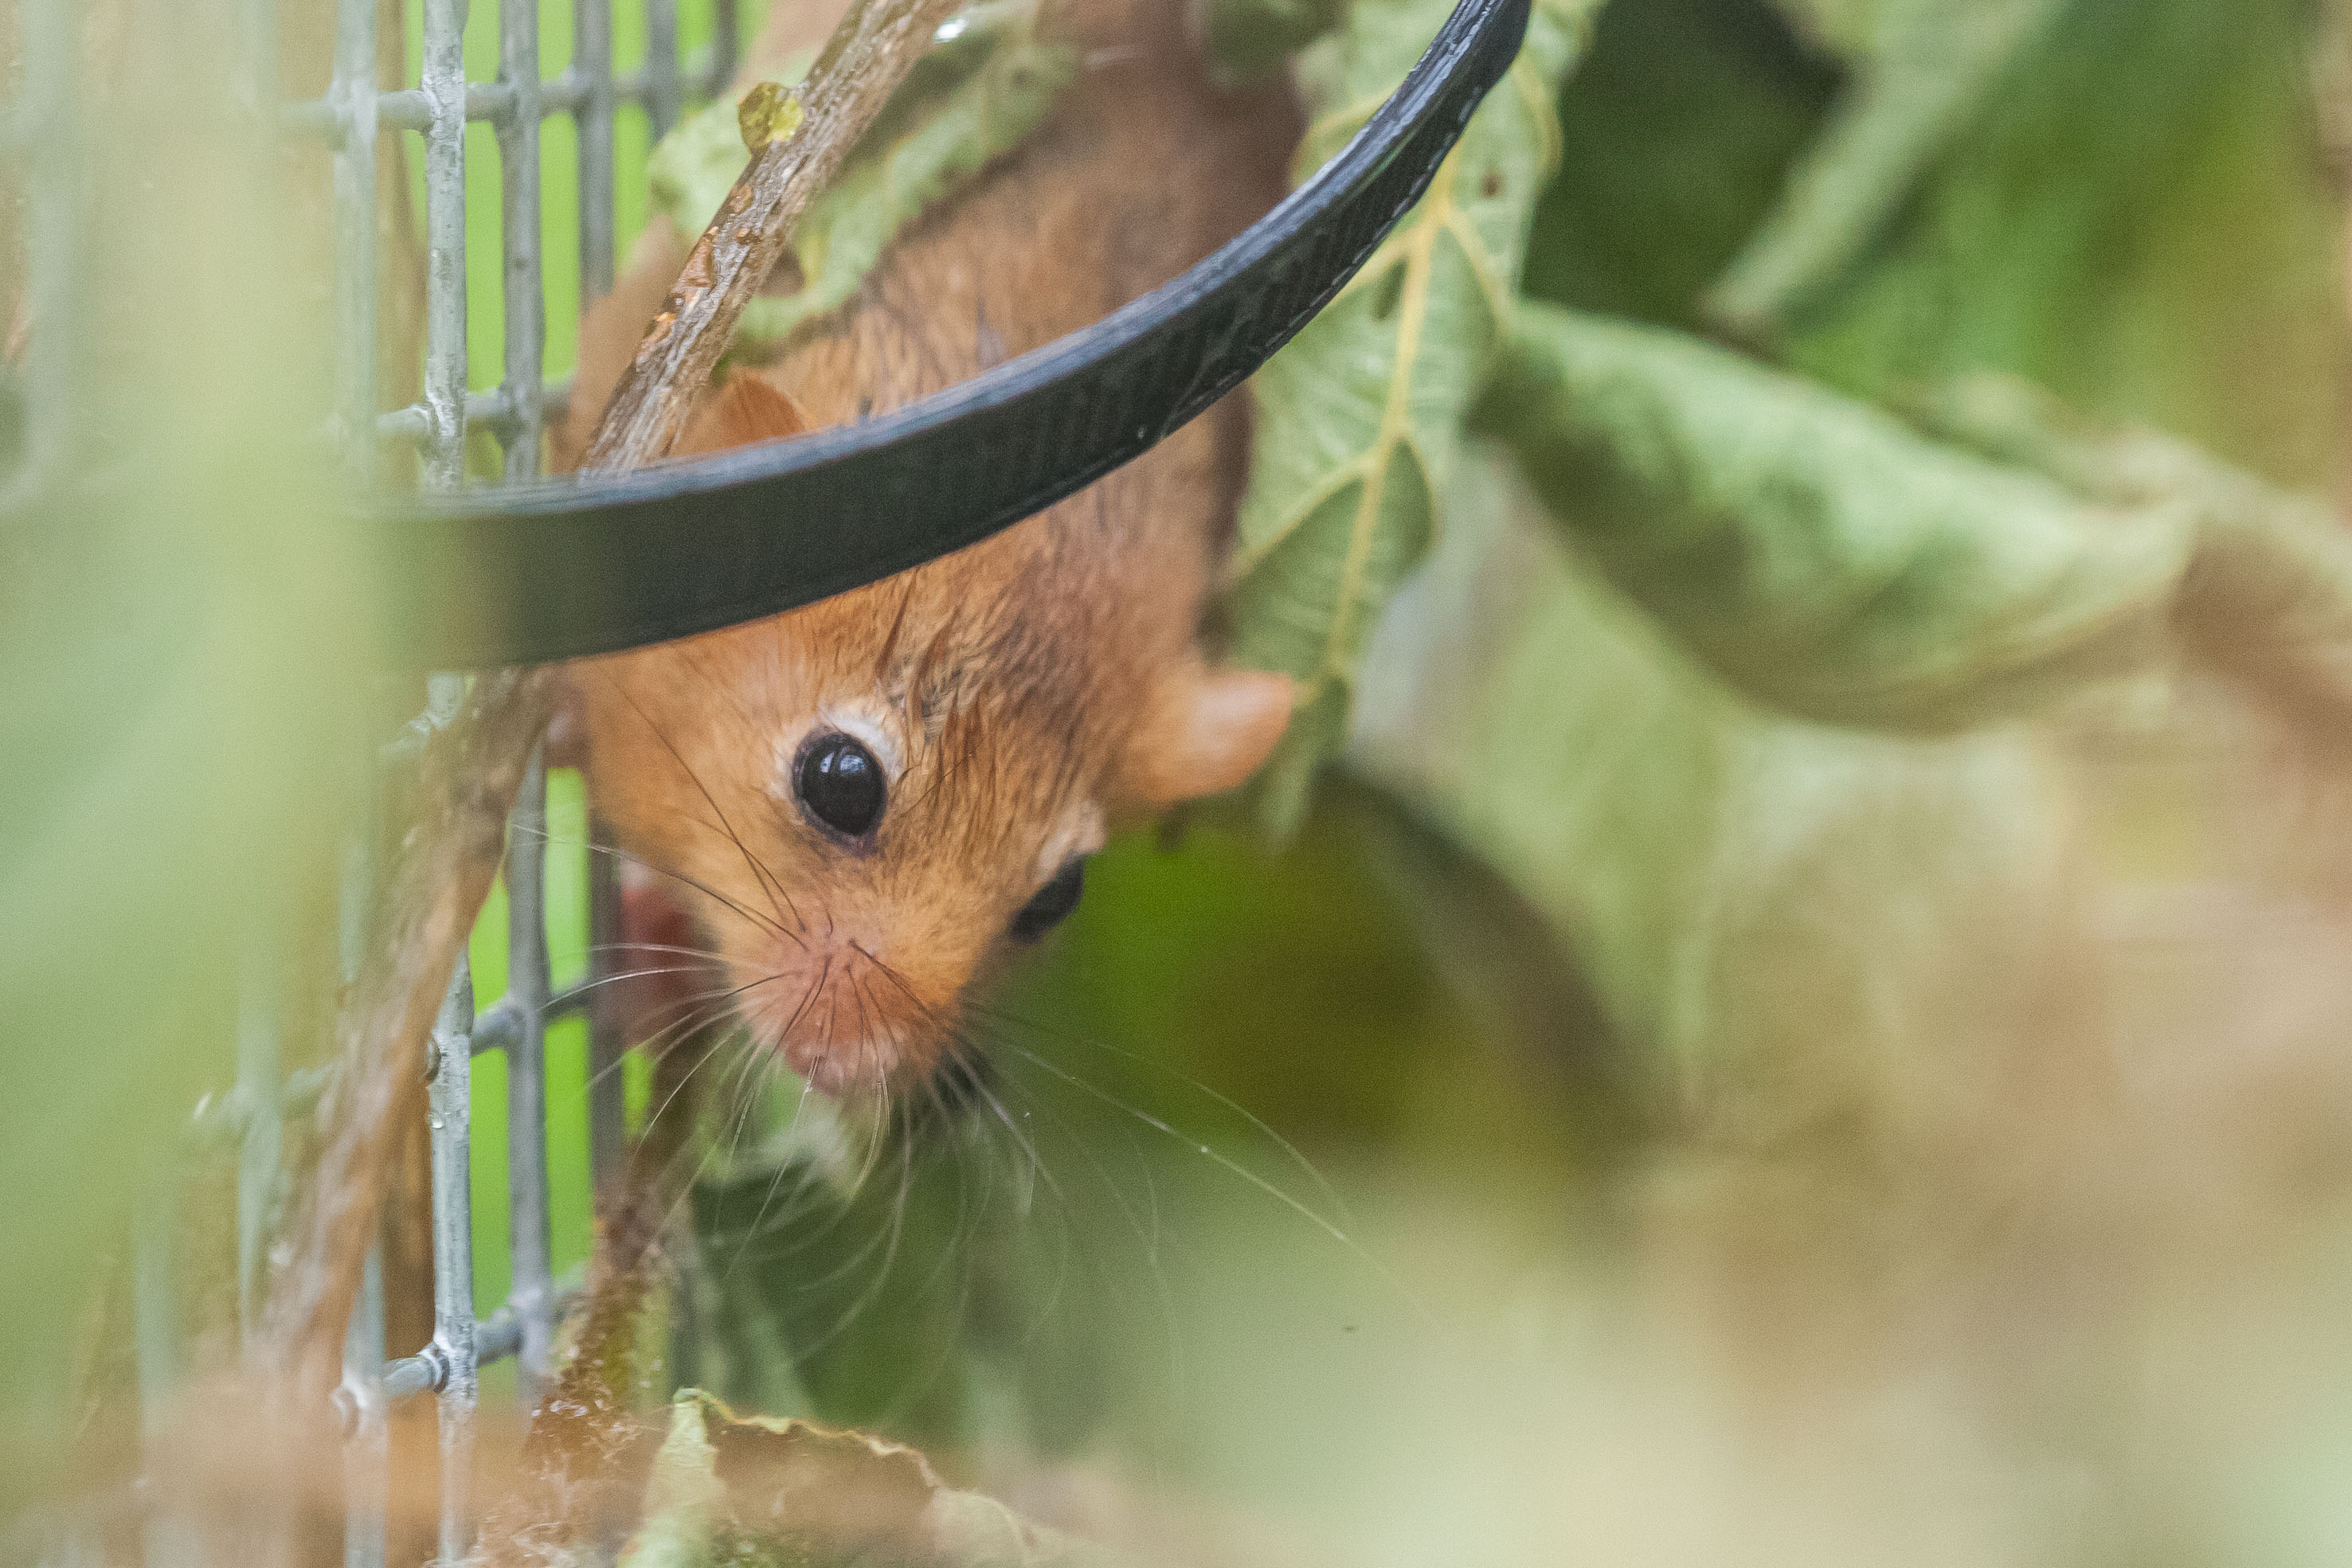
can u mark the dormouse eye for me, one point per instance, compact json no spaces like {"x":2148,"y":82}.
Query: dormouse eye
{"x":841,"y":785}
{"x":1051,"y":902}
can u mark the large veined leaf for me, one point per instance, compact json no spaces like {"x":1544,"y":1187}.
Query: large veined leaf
{"x":1357,"y":419}
{"x":1792,"y":924}
{"x":2267,"y":595}
{"x":1591,"y":688}
{"x":1815,"y":551}
{"x":968,"y":101}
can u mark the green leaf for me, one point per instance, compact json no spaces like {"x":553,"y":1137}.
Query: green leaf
{"x":1791,"y":925}
{"x":1685,"y":117}
{"x":2136,"y":222}
{"x":967,"y":102}
{"x":1925,"y":78}
{"x":1358,"y":418}
{"x":1839,"y":27}
{"x":2267,"y":595}
{"x":1250,"y":39}
{"x":1816,"y":552}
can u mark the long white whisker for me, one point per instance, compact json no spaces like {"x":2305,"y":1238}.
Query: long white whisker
{"x":1235,"y":1168}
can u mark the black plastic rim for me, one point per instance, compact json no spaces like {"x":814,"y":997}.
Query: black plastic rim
{"x":560,"y":569}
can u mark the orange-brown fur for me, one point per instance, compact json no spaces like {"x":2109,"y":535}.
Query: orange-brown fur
{"x":1035,"y":687}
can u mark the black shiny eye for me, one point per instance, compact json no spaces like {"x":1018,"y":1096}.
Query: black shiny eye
{"x":841,"y":784}
{"x":1052,"y":903}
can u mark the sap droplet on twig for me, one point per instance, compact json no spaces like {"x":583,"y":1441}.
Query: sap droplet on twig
{"x":769,"y":112}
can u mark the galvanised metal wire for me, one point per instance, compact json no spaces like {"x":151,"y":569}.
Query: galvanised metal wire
{"x":1260,"y":291}
{"x":352,"y":117}
{"x":40,"y":134}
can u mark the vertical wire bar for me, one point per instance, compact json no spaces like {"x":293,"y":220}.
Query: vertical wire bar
{"x":449,"y":1102}
{"x":353,"y":96}
{"x":443,"y":79}
{"x":725,"y":41}
{"x":367,"y":1455}
{"x":663,"y":92}
{"x":526,"y":999}
{"x":591,"y":63}
{"x":606,"y":1090}
{"x":525,"y":303}
{"x":260,"y":1120}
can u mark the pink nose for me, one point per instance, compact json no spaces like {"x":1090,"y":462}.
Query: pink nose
{"x":839,"y":1018}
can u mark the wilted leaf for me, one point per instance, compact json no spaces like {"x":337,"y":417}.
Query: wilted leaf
{"x":738,"y":1491}
{"x":1791,"y":924}
{"x":969,"y":101}
{"x":1924,"y":75}
{"x":684,"y":1497}
{"x":1815,"y":551}
{"x":2267,"y":594}
{"x":1358,"y":417}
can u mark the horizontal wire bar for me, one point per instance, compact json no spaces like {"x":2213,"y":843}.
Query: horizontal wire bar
{"x":491,"y":102}
{"x":499,"y":1025}
{"x":496,"y":1337}
{"x":492,"y":409}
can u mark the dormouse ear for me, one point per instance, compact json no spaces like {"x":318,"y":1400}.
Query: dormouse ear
{"x":1205,"y":733}
{"x":749,"y":408}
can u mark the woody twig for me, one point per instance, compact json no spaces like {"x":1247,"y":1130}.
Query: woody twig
{"x":797,"y":141}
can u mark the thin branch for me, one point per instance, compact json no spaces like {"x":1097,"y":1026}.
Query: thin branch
{"x":468,"y":776}
{"x":869,"y":54}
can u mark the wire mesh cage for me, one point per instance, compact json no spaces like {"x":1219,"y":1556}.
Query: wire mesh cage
{"x":1037,"y":427}
{"x":353,"y":116}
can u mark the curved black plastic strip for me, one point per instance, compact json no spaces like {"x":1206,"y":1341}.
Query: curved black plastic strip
{"x":559,"y":568}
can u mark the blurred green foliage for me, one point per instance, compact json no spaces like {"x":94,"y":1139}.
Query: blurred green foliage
{"x":181,"y":657}
{"x":1585,"y":904}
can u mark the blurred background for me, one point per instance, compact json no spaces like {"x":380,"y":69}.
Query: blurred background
{"x":1624,"y":1122}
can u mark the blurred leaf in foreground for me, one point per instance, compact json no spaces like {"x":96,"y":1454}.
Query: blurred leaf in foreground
{"x":1793,"y":923}
{"x":184,"y":629}
{"x":727,"y":1490}
{"x":1248,"y":39}
{"x":1357,"y":419}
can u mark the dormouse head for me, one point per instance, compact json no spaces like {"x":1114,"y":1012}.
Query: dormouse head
{"x":868,"y":805}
